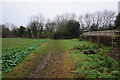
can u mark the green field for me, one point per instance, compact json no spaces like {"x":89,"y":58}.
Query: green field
{"x":21,"y":57}
{"x":14,"y":50}
{"x":13,"y":42}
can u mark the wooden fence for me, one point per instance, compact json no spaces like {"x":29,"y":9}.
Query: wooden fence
{"x":108,"y":38}
{"x":101,"y":33}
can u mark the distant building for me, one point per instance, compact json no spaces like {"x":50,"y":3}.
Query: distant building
{"x":119,"y":7}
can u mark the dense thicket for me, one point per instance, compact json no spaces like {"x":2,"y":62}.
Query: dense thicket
{"x":70,"y":29}
{"x":117,"y":21}
{"x":63,"y":26}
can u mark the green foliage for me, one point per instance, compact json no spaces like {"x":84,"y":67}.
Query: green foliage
{"x":117,"y":21}
{"x":12,"y":56}
{"x":85,"y":47}
{"x":5,"y":31}
{"x":67,"y":29}
{"x":85,"y":37}
{"x":13,"y":42}
{"x":80,"y":38}
{"x":29,"y":33}
{"x":73,"y":28}
{"x":21,"y":31}
{"x":111,"y":27}
{"x":33,"y":27}
{"x":94,"y":27}
{"x":98,"y":65}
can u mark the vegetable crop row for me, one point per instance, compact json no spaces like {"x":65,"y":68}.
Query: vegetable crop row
{"x":12,"y":56}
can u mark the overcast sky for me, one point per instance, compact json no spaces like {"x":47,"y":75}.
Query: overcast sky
{"x":19,"y":11}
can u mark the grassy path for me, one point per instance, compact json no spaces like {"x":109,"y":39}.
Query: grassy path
{"x":55,"y":64}
{"x":58,"y":65}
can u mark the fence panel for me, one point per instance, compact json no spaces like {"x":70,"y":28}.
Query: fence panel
{"x":108,"y":38}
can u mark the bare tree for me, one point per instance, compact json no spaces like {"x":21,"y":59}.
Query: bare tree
{"x":104,"y":18}
{"x":101,"y":19}
{"x":66,"y":17}
{"x":81,"y":22}
{"x":108,"y":17}
{"x":88,"y":21}
{"x":36,"y":25}
{"x":50,"y":26}
{"x":61,"y":21}
{"x":73,"y":16}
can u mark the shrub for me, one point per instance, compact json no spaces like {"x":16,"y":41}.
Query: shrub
{"x":80,"y":38}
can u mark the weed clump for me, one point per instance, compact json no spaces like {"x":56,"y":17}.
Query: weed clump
{"x":93,"y":62}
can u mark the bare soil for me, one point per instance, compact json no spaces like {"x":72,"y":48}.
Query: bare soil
{"x":41,"y":66}
{"x":59,"y":66}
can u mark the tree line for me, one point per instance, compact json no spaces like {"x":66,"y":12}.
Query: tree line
{"x":63,"y":26}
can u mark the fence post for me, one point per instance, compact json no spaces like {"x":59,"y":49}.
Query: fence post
{"x":99,"y":37}
{"x":90,"y":36}
{"x":112,"y":38}
{"x":113,"y":42}
{"x":105,"y":32}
